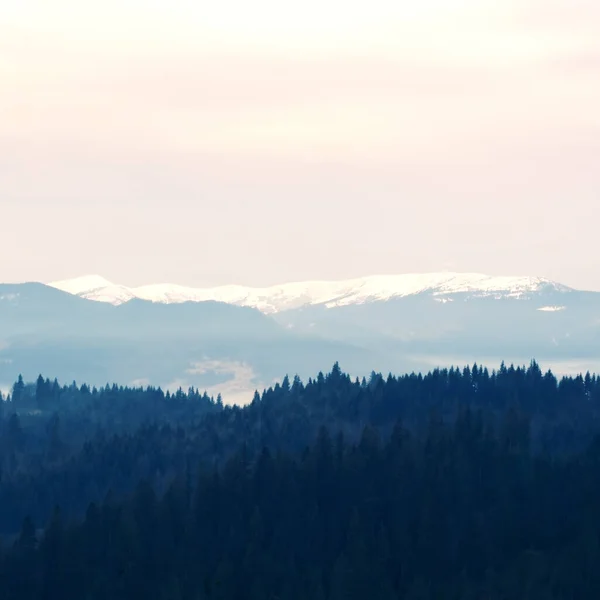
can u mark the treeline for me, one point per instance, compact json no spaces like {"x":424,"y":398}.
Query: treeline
{"x":464,"y":511}
{"x":115,"y":408}
{"x":71,"y":445}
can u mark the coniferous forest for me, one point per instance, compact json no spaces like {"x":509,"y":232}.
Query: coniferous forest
{"x":455,"y":484}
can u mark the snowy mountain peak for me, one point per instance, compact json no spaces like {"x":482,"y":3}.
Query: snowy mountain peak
{"x":328,"y":293}
{"x":82,"y":284}
{"x":95,"y":287}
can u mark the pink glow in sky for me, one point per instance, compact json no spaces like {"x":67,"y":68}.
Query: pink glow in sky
{"x":259,"y":142}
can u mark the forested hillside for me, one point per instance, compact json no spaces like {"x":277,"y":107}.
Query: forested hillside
{"x":459,"y":483}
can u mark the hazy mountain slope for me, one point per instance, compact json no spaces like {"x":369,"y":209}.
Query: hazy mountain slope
{"x":464,"y":324}
{"x":42,"y":309}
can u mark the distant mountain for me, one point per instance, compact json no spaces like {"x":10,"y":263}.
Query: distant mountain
{"x":233,"y":339}
{"x":331,"y":294}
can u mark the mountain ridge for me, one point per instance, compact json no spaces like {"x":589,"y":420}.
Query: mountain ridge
{"x":294,"y":295}
{"x":237,"y":336}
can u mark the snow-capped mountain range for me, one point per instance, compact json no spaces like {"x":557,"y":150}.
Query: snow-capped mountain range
{"x":330,"y":294}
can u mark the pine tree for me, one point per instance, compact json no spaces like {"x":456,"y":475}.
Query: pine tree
{"x":18,"y":391}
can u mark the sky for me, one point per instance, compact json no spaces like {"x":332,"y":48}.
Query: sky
{"x":263,"y":142}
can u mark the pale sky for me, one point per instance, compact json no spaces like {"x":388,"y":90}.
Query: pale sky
{"x":260,"y":142}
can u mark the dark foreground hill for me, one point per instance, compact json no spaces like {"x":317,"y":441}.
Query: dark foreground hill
{"x":71,"y":445}
{"x":458,"y":484}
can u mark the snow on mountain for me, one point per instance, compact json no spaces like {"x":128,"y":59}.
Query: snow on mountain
{"x":94,"y":287}
{"x":82,"y":285}
{"x":329,"y":293}
{"x":552,"y":308}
